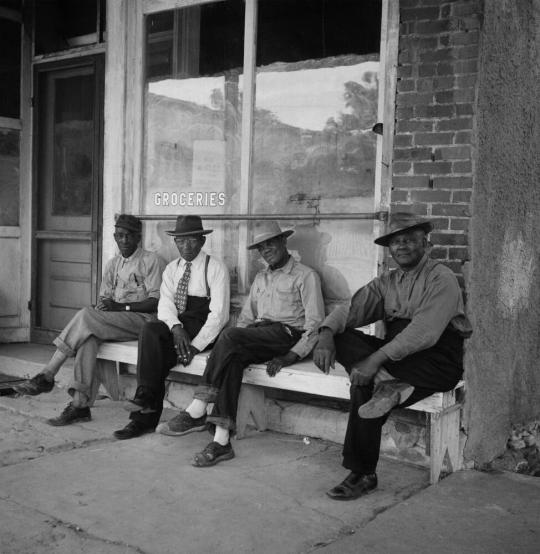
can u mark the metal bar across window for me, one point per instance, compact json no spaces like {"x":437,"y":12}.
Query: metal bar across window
{"x":379,"y":216}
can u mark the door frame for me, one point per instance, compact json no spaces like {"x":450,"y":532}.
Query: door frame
{"x":97,"y":61}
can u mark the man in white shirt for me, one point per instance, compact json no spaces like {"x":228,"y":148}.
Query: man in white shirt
{"x":193,"y":308}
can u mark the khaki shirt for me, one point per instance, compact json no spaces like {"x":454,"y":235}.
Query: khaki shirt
{"x":429,"y":295}
{"x":132,"y":279}
{"x":290,"y":294}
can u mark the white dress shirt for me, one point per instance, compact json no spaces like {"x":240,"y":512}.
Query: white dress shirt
{"x":218,"y":282}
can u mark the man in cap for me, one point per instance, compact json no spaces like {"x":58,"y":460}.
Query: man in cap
{"x":277,"y":325}
{"x":421,"y":305}
{"x":193,"y":308}
{"x":128,"y":298}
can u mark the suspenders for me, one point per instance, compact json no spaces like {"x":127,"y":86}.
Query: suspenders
{"x":206,"y":262}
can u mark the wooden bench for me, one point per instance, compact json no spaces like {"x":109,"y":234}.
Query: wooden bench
{"x":443,"y":409}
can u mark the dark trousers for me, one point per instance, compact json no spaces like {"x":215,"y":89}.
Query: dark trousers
{"x":436,"y":369}
{"x":235,"y":349}
{"x":156,"y":356}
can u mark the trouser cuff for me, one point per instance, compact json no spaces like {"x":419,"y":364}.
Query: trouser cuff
{"x":220,"y":421}
{"x":206,"y":393}
{"x":64,"y":348}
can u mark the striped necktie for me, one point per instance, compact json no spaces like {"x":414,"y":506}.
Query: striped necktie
{"x":180,"y":298}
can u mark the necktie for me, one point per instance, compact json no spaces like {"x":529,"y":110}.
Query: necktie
{"x":180,"y":298}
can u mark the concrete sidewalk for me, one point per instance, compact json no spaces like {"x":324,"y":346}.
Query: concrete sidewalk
{"x":75,"y":488}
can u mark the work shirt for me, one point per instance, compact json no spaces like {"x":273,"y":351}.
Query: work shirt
{"x":428,"y":295}
{"x":218,"y":282}
{"x":132,"y":279}
{"x":291,"y":295}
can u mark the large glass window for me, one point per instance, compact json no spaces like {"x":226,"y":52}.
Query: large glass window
{"x":9,"y":177}
{"x":313,"y":151}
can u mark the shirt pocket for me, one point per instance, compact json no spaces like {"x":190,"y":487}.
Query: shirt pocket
{"x":288,"y":296}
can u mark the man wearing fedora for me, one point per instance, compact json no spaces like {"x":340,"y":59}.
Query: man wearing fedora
{"x":277,"y":325}
{"x":421,"y":306}
{"x":128,"y":297}
{"x":193,"y":308}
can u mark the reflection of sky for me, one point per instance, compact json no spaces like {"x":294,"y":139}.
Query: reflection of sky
{"x":305,"y":98}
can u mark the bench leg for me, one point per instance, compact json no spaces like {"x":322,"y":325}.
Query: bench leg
{"x":251,"y":402}
{"x":444,"y":438}
{"x":106,"y":374}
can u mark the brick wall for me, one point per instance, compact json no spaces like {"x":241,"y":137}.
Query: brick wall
{"x":436,"y":89}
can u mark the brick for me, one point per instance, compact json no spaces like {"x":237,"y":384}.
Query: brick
{"x":469,"y":23}
{"x":404,"y":71}
{"x":432,"y":27}
{"x":445,"y":11}
{"x":462,"y":167}
{"x":458,"y":253}
{"x":461,"y":196}
{"x":414,"y":99}
{"x":429,"y":43}
{"x":443,"y":83}
{"x":400,"y":196}
{"x":419,"y":209}
{"x":465,"y":8}
{"x":459,"y":224}
{"x":452,"y":182}
{"x":418,"y":125}
{"x":403,"y":140}
{"x":404,"y":112}
{"x":412,"y":153}
{"x":408,"y":3}
{"x":465,"y":52}
{"x":427,"y":70}
{"x":410,"y":182}
{"x":462,"y":38}
{"x":440,"y":223}
{"x":444,"y":68}
{"x":444,"y":97}
{"x":455,"y":210}
{"x":463,"y":137}
{"x":444,"y":40}
{"x":421,"y":139}
{"x":438,"y":253}
{"x":441,"y":55}
{"x":406,"y":85}
{"x":465,"y":81}
{"x":434,"y":111}
{"x":419,"y":14}
{"x":432,"y":168}
{"x":465,"y":66}
{"x":465,"y":95}
{"x":453,"y":153}
{"x":430,"y":195}
{"x":406,"y":56}
{"x":448,"y":239}
{"x":401,"y":167}
{"x":464,"y":109}
{"x":457,"y":124}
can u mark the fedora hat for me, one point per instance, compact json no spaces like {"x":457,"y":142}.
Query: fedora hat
{"x":401,"y":222}
{"x":129,"y":222}
{"x":267,"y":230}
{"x":188,"y":225}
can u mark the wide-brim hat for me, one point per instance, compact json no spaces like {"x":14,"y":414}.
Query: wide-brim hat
{"x":401,"y":222}
{"x":188,"y":225}
{"x":266,"y":230}
{"x":129,"y":222}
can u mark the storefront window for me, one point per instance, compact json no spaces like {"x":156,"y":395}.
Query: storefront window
{"x":316,"y":103}
{"x":9,"y":177}
{"x":193,"y":95}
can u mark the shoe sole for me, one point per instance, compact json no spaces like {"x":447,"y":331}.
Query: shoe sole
{"x":163,"y":429}
{"x":132,"y":436}
{"x":377,"y":409}
{"x":62,"y":424}
{"x":131,"y":407}
{"x":227,"y":456}
{"x":354,"y":497}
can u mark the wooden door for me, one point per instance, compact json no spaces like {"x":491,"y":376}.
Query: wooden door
{"x":68,"y":191}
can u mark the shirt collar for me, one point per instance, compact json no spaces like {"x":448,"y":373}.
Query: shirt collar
{"x":135,"y":254}
{"x":415,"y":271}
{"x":287,"y":268}
{"x":201,"y":256}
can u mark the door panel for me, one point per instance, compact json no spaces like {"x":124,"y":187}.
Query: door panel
{"x":68,"y":180}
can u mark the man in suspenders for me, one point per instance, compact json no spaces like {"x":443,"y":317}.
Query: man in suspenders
{"x":193,"y":308}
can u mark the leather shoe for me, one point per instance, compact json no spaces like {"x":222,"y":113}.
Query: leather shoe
{"x":131,"y":430}
{"x":354,"y":486}
{"x":387,"y":395}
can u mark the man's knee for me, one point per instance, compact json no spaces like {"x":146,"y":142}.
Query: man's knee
{"x":152,"y":329}
{"x":231,"y":334}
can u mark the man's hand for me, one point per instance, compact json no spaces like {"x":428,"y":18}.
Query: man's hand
{"x":363,"y":372}
{"x":275,"y":364}
{"x":109,"y":305}
{"x":324,"y":354}
{"x":182,"y":344}
{"x":186,"y":360}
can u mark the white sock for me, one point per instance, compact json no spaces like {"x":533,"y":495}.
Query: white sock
{"x":197,"y":408}
{"x":221,"y":436}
